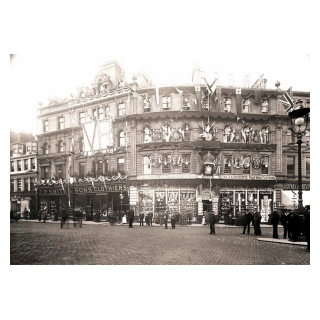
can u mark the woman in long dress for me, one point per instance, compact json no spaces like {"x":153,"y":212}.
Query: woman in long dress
{"x":256,"y":223}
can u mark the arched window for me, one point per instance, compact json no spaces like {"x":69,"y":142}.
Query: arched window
{"x":227,"y":133}
{"x":147,"y":134}
{"x":122,"y":139}
{"x":186,"y":132}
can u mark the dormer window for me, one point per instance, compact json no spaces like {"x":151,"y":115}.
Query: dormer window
{"x":166,"y":102}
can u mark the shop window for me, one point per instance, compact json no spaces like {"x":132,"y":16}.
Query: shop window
{"x":121,"y":109}
{"x":19,"y":165}
{"x":186,"y":163}
{"x":290,"y":165}
{"x":146,"y":165}
{"x":26,"y":164}
{"x":82,"y":117}
{"x":166,"y":102}
{"x":12,"y":166}
{"x":82,"y":169}
{"x":19,"y":184}
{"x":61,"y":123}
{"x":227,"y":164}
{"x":59,"y":171}
{"x":308,"y":166}
{"x":120,"y":164}
{"x":12,"y":185}
{"x":122,"y":139}
{"x":46,"y":126}
{"x":101,"y":113}
{"x":33,"y":163}
{"x":100,"y":167}
{"x":185,"y":131}
{"x":147,"y":134}
{"x":26,"y":185}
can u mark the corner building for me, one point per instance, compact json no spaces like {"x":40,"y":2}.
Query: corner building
{"x":189,"y":148}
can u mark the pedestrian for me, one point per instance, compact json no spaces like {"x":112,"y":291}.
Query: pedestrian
{"x":130,"y":217}
{"x":247,"y":221}
{"x":25,"y":213}
{"x":63,"y":217}
{"x":294,"y":225}
{"x":11,"y":216}
{"x":274,"y":219}
{"x":307,"y":225}
{"x":161,"y":218}
{"x":44,"y":214}
{"x":150,"y":217}
{"x":166,"y":217}
{"x":141,"y":217}
{"x":284,"y":219}
{"x":256,"y":223}
{"x":212,"y":221}
{"x":147,"y":220}
{"x":173,"y":220}
{"x":40,"y":213}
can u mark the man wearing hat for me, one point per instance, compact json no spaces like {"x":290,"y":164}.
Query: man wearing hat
{"x":247,"y":221}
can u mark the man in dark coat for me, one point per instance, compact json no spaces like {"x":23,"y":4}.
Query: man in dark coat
{"x":275,"y":221}
{"x":212,"y":221}
{"x":141,"y":217}
{"x":166,"y":217}
{"x":150,"y":217}
{"x":284,"y":219}
{"x":247,"y":221}
{"x":294,"y":225}
{"x":130,"y":217}
{"x":173,"y":220}
{"x":307,"y":225}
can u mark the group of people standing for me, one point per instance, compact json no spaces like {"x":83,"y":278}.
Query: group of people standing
{"x":255,"y":218}
{"x":148,"y":219}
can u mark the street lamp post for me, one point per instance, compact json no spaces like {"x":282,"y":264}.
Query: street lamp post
{"x":121,"y":200}
{"x":299,"y":121}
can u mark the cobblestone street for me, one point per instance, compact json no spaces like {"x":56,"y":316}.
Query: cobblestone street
{"x":39,"y":243}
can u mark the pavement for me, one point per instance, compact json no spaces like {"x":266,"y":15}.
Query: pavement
{"x":34,"y":242}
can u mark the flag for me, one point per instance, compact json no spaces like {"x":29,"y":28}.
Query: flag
{"x":238,"y":101}
{"x":287,"y":100}
{"x":179,"y":91}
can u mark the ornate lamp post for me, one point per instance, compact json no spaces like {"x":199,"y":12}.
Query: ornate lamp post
{"x":299,"y":121}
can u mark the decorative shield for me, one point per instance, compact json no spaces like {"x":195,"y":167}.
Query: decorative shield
{"x":208,"y":169}
{"x":237,"y":136}
{"x":176,"y":135}
{"x":209,"y":137}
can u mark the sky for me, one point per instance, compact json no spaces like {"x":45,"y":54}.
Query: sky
{"x":35,"y":78}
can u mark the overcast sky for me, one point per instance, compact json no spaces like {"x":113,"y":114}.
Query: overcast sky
{"x":35,"y":78}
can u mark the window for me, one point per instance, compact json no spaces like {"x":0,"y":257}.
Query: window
{"x":265,"y":166}
{"x":59,"y":171}
{"x":308,"y":166}
{"x":107,"y":109}
{"x":20,"y":148}
{"x":146,"y":165}
{"x":147,"y":134}
{"x":45,"y":174}
{"x":12,"y":185}
{"x":46,"y":126}
{"x":101,"y":113}
{"x":82,"y":117}
{"x":120,"y":164}
{"x":166,"y":168}
{"x":19,"y":184}
{"x":121,"y":109}
{"x":45,"y":148}
{"x":185,"y":163}
{"x":227,"y":133}
{"x":290,"y":165}
{"x":60,"y":146}
{"x":34,"y":147}
{"x":100,"y":167}
{"x":82,"y":169}
{"x":122,"y":139}
{"x":61,"y":123}
{"x":290,"y":137}
{"x":26,"y":164}
{"x":246,"y":166}
{"x":185,"y":102}
{"x":28,"y":148}
{"x":19,"y":165}
{"x":33,"y":163}
{"x":26,"y":184}
{"x":12,"y":166}
{"x":94,"y":114}
{"x":166,"y":102}
{"x":246,"y":106}
{"x":186,"y":132}
{"x":32,"y":188}
{"x":227,"y":164}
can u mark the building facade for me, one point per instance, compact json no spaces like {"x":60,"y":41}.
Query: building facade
{"x":190,"y":148}
{"x":23,"y":172}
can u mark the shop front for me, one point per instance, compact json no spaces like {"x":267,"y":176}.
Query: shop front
{"x":19,"y":201}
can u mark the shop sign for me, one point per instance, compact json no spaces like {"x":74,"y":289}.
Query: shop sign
{"x":246,"y":177}
{"x":295,"y":186}
{"x":116,"y":188}
{"x":166,"y":176}
{"x":52,"y":191}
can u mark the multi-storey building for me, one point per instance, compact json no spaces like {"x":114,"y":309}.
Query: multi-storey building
{"x":189,"y":147}
{"x":23,"y":171}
